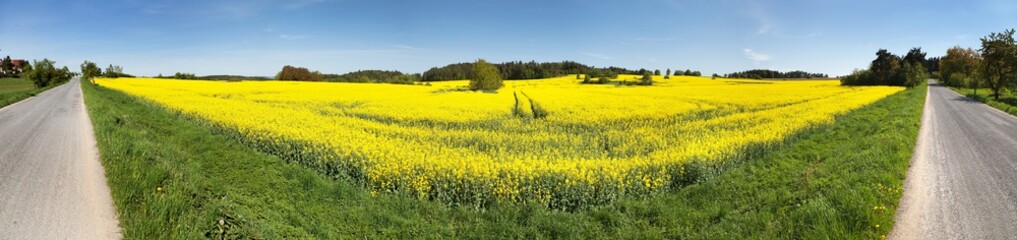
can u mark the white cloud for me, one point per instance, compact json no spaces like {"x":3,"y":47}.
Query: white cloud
{"x":596,"y":55}
{"x":756,"y":57}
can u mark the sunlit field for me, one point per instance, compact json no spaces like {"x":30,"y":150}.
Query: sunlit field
{"x":439,"y":142}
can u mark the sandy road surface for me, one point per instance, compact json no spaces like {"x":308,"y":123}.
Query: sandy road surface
{"x":52,"y":185}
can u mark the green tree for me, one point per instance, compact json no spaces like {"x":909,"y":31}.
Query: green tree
{"x":90,"y":70}
{"x":297,"y":74}
{"x":603,"y":80}
{"x":915,"y":56}
{"x":885,"y":67}
{"x":7,"y":67}
{"x":180,"y":75}
{"x":656,"y":72}
{"x":114,"y":71}
{"x":586,"y":79}
{"x":485,"y":77}
{"x":958,"y":65}
{"x":687,"y":72}
{"x":668,"y":72}
{"x":999,"y":57}
{"x":647,"y":79}
{"x":45,"y":74}
{"x":915,"y":74}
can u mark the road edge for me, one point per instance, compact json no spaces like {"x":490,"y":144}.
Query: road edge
{"x":907,"y":217}
{"x":104,"y":193}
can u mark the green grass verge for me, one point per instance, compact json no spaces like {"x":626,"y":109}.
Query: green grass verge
{"x":1007,"y":100}
{"x":13,"y":90}
{"x":825,"y":184}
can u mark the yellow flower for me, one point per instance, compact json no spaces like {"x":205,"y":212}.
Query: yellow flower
{"x":423,"y":140}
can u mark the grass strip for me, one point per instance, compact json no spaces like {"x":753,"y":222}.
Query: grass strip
{"x":13,"y":90}
{"x":1007,"y":101}
{"x":173,"y":178}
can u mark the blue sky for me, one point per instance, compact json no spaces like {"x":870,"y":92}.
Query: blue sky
{"x":258,"y":37}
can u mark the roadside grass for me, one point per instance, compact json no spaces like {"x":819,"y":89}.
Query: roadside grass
{"x":837,"y":181}
{"x":1007,"y":100}
{"x":13,"y":90}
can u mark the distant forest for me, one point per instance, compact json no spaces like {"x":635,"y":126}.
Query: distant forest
{"x":517,"y":70}
{"x":524,"y":70}
{"x":373,"y":76}
{"x":766,"y":73}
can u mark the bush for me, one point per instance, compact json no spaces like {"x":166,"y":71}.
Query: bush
{"x":115,"y":71}
{"x":915,"y":74}
{"x":298,"y":74}
{"x":45,"y":74}
{"x":647,"y":80}
{"x":858,"y":77}
{"x":90,"y":70}
{"x":485,"y":77}
{"x":603,"y":80}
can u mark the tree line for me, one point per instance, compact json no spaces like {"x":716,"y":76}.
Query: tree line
{"x":994,"y":65}
{"x":889,"y":69}
{"x":523,"y":70}
{"x":373,"y":76}
{"x":291,"y":73}
{"x":42,"y":73}
{"x":191,"y":76}
{"x":766,"y":73}
{"x":90,"y":70}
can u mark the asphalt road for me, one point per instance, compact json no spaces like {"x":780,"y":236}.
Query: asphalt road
{"x":962,"y":183}
{"x":52,"y":185}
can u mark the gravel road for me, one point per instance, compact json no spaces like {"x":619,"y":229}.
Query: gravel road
{"x":962,"y":183}
{"x":52,"y":185}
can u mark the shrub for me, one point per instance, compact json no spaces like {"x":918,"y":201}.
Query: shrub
{"x":858,"y":77}
{"x":647,"y":80}
{"x":45,"y":74}
{"x":603,"y":80}
{"x":298,"y":74}
{"x":485,"y":77}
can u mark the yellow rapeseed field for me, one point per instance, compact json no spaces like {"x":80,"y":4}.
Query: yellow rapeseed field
{"x":438,"y":142}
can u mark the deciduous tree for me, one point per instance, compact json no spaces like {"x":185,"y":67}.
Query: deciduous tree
{"x":485,"y":77}
{"x":297,"y":74}
{"x":885,"y":67}
{"x":999,"y":56}
{"x":958,"y":65}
